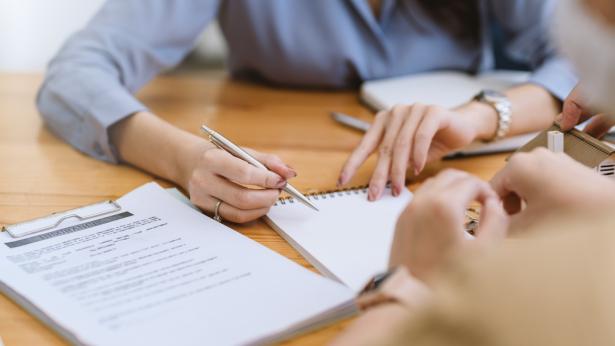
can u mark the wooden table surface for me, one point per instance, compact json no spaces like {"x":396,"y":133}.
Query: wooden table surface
{"x":40,"y":174}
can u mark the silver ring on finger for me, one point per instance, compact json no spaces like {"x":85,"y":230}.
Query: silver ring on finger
{"x":217,"y":216}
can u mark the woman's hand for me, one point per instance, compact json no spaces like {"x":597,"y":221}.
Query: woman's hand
{"x":432,"y":226}
{"x":219,"y":176}
{"x":549,"y":183}
{"x":414,"y":135}
{"x":206,"y":172}
{"x":576,"y":111}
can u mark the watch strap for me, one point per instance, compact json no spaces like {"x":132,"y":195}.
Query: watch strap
{"x":503,"y":108}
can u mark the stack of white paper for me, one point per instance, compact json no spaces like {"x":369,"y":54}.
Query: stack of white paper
{"x":160,"y":273}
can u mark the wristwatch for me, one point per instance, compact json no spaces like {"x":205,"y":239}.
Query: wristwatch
{"x":394,"y":286}
{"x":502,"y":106}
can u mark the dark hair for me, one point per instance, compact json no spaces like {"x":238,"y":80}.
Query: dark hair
{"x":459,"y":17}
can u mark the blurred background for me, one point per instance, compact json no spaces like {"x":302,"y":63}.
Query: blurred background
{"x":32,"y":31}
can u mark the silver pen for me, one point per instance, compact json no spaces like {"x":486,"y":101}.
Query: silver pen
{"x":350,"y":121}
{"x":233,"y":149}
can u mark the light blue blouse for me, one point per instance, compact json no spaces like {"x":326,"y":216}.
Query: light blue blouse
{"x":308,"y":43}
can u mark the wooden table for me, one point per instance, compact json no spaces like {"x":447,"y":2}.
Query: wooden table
{"x":40,"y":174}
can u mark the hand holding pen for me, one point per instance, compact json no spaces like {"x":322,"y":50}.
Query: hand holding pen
{"x":219,"y":180}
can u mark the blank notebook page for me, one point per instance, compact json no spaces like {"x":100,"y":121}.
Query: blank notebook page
{"x":349,"y":239}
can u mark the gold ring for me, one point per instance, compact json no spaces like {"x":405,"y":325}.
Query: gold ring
{"x":217,"y":216}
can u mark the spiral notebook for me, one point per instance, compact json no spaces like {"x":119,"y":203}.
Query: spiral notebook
{"x":349,"y":240}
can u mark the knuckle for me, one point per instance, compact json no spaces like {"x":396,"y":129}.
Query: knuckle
{"x":421,"y":137}
{"x":517,"y":159}
{"x":242,"y":199}
{"x":379,"y":176}
{"x":273,"y":158}
{"x":196,"y":182}
{"x":209,"y":155}
{"x":380,"y":114}
{"x":451,"y":172}
{"x":235,"y":216}
{"x":266,"y":180}
{"x":273,"y":197}
{"x":540,"y":151}
{"x":385,"y":149}
{"x":399,"y":170}
{"x":243,"y":217}
{"x":439,"y":205}
{"x":245,"y":173}
{"x":402,"y":142}
{"x":433,"y":110}
{"x":398,"y":108}
{"x":520,"y":162}
{"x":402,"y":111}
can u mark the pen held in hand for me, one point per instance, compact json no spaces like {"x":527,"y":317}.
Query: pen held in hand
{"x":221,"y":142}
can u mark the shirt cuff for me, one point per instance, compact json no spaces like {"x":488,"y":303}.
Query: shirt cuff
{"x":106,"y":111}
{"x":557,"y":76}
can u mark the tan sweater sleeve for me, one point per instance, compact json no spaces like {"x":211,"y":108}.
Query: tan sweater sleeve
{"x":557,"y":288}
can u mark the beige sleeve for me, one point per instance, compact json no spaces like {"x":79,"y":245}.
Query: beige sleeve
{"x":557,"y":288}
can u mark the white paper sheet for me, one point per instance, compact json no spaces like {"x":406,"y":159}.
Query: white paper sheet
{"x":161,"y":273}
{"x":349,"y":239}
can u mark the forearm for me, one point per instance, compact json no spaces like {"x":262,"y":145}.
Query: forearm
{"x":150,"y":143}
{"x":534,"y":109}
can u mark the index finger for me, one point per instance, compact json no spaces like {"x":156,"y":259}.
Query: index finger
{"x":239,"y":171}
{"x":503,"y":187}
{"x":574,"y":111}
{"x":274,"y":163}
{"x":367,"y":145}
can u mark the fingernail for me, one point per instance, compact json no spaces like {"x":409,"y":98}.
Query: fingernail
{"x":396,"y":191}
{"x":373,"y":193}
{"x":341,"y":180}
{"x":280,"y":183}
{"x":292,"y":172}
{"x":417,"y":171}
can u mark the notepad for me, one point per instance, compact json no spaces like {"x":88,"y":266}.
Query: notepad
{"x":349,"y":240}
{"x":158,"y":272}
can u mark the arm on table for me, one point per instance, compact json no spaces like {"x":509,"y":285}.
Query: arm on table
{"x":87,"y":100}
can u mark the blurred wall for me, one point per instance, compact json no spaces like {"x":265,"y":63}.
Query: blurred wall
{"x":31,"y":32}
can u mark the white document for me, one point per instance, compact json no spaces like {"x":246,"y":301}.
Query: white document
{"x":349,"y":239}
{"x":161,"y":273}
{"x":447,"y":89}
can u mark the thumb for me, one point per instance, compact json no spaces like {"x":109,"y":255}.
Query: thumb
{"x":493,"y":224}
{"x":600,"y":125}
{"x":574,"y":111}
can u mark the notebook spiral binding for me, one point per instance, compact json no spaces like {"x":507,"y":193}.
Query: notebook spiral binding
{"x":328,"y":194}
